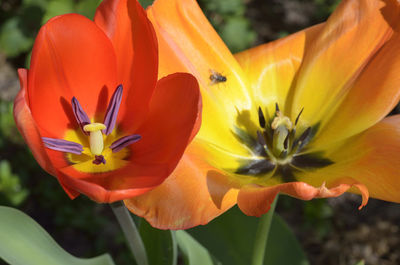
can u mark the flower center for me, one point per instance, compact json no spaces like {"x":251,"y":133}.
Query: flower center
{"x":103,"y":142}
{"x":280,"y":150}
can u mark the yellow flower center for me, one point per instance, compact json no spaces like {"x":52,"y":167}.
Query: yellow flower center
{"x":84,"y":161}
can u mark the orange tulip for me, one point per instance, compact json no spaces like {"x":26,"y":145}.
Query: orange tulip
{"x":92,"y":111}
{"x":303,"y":115}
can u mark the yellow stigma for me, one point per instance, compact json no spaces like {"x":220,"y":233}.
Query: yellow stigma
{"x":281,"y":126}
{"x":279,"y":120}
{"x":96,"y":137}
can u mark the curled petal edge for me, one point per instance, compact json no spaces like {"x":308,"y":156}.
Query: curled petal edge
{"x":255,"y":200}
{"x":98,"y":193}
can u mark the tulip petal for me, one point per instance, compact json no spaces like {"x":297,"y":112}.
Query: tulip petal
{"x":193,"y":195}
{"x":27,"y":125}
{"x":71,"y":57}
{"x":29,"y":131}
{"x":374,"y":94}
{"x":184,"y":32}
{"x":271,"y":68}
{"x":338,"y":55}
{"x":107,"y":187}
{"x":171,"y":119}
{"x":367,"y":164}
{"x":370,"y":158}
{"x":134,"y":41}
{"x":256,"y":200}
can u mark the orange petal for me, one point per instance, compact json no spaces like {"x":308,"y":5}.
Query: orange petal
{"x":132,"y":35}
{"x":270,"y":68}
{"x":194,"y":194}
{"x":256,"y":200}
{"x":71,"y":57}
{"x":169,"y":125}
{"x":370,"y":158}
{"x":338,"y":55}
{"x":188,"y":43}
{"x":373,"y":95}
{"x":127,"y":182}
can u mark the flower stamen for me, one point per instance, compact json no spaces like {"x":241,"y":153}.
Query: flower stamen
{"x":281,"y":148}
{"x":97,"y":132}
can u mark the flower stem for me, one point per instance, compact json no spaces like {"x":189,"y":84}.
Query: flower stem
{"x":262,"y":235}
{"x":131,"y":233}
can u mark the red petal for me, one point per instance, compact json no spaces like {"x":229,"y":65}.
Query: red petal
{"x":28,"y":129}
{"x":127,"y":182}
{"x":167,"y":130}
{"x":27,"y":125}
{"x":71,"y":57}
{"x":134,"y":41}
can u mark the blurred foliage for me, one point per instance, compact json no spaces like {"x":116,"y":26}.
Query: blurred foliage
{"x":10,"y":185}
{"x":317,"y":215}
{"x":20,"y":21}
{"x":8,"y":130}
{"x":228,"y":18}
{"x":325,"y":7}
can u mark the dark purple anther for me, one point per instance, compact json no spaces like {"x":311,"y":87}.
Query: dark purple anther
{"x":112,"y":110}
{"x":80,"y":115}
{"x":99,"y":159}
{"x":62,"y":145}
{"x":124,"y":142}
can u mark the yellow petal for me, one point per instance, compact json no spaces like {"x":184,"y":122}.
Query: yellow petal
{"x":353,"y":34}
{"x":374,"y":94}
{"x":370,"y":158}
{"x":188,"y":43}
{"x":270,"y":68}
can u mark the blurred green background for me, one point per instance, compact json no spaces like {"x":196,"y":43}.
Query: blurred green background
{"x":87,"y":229}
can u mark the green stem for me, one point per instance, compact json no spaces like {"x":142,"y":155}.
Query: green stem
{"x":262,"y":235}
{"x":131,"y":233}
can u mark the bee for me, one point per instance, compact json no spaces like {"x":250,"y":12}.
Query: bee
{"x":216,"y":77}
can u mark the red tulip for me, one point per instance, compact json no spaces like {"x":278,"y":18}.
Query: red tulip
{"x":92,"y":112}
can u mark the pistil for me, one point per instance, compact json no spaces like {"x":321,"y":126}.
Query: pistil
{"x":96,"y":137}
{"x":282,"y":127}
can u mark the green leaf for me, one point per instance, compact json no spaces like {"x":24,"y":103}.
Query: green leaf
{"x":282,"y":245}
{"x":193,"y":252}
{"x":161,"y":246}
{"x":230,"y":238}
{"x":25,"y":242}
{"x":361,"y":262}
